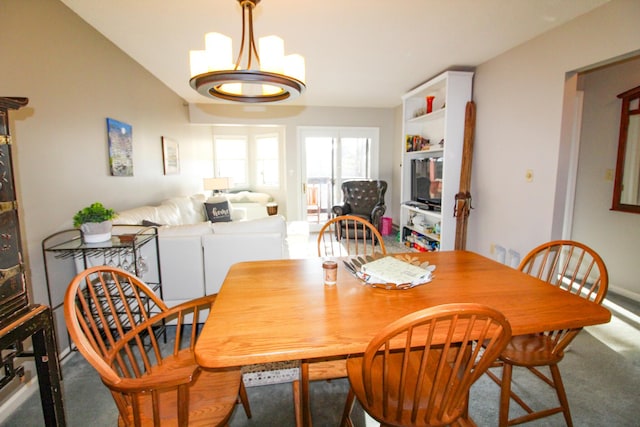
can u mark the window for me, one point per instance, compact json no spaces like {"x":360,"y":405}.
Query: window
{"x":249,"y":155}
{"x":267,"y":171}
{"x":231,"y":158}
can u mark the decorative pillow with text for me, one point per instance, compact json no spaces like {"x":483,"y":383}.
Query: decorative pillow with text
{"x":218,"y":212}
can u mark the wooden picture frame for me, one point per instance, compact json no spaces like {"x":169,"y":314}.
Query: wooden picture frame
{"x":170,"y":156}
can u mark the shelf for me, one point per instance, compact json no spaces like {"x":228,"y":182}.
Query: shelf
{"x":433,"y":214}
{"x":430,"y":236}
{"x":435,"y":115}
{"x":76,"y":247}
{"x":452,"y":90}
{"x":437,"y":148}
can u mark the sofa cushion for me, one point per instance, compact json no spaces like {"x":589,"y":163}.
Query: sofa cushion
{"x":218,"y":212}
{"x":249,"y":197}
{"x":136,"y":216}
{"x":188,"y":208}
{"x":185,"y":230}
{"x":167,"y":214}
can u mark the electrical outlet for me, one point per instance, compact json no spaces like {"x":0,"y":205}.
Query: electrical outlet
{"x":529,"y":175}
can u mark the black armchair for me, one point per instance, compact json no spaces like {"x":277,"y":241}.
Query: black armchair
{"x":363,"y":198}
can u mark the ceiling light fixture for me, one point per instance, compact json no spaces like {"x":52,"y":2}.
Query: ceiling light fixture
{"x":268,"y":77}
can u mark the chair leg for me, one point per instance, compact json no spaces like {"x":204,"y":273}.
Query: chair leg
{"x":348,"y":406}
{"x":244,"y":399}
{"x":505,"y":395}
{"x":305,"y":400}
{"x":301,"y":401}
{"x":562,"y":395}
{"x":295,"y":386}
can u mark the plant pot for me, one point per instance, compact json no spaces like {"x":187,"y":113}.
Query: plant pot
{"x":96,"y":232}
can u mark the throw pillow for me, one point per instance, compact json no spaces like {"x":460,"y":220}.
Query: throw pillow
{"x":218,"y":212}
{"x":147,"y":223}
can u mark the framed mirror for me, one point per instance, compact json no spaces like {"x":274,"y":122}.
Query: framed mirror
{"x":626,"y":189}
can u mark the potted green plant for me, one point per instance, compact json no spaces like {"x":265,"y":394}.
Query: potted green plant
{"x":95,"y":222}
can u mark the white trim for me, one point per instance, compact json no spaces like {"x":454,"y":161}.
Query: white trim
{"x":572,"y":174}
{"x":18,"y":398}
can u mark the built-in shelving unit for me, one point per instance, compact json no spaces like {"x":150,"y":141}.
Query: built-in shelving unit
{"x":433,"y":142}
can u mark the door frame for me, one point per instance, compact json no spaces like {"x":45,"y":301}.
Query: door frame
{"x":337,"y":133}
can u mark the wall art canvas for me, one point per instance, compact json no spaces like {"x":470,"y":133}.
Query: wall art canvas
{"x":120,"y":136}
{"x":170,"y":156}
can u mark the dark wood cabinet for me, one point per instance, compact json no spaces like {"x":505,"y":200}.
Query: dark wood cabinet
{"x":13,"y":290}
{"x":19,"y":319}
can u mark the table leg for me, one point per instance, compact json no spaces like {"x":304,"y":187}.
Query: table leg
{"x":305,"y":403}
{"x":48,"y":368}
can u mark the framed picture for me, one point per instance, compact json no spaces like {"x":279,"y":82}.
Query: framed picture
{"x":120,"y":137}
{"x":170,"y":156}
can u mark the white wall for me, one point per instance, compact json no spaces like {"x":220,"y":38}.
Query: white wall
{"x":616,"y":234}
{"x":75,"y":79}
{"x":519,"y":97}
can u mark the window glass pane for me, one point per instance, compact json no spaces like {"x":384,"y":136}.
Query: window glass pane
{"x":231,"y":158}
{"x":355,"y":158}
{"x":267,"y":171}
{"x":319,"y":151}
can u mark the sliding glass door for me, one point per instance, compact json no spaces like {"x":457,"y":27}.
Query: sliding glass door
{"x":330,"y":156}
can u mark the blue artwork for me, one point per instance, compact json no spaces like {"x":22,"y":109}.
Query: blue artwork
{"x":120,"y":137}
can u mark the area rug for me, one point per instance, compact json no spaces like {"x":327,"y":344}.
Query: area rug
{"x":270,"y":373}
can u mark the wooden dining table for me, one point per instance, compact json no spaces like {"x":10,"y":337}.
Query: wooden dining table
{"x":280,"y":310}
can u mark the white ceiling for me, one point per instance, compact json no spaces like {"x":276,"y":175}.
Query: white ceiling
{"x":357,"y":52}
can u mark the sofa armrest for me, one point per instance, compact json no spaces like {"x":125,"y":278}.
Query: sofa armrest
{"x":342,"y":209}
{"x":376,"y":215}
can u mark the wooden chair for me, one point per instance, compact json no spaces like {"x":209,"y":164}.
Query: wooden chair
{"x":347,"y":235}
{"x":426,"y":380}
{"x":341,"y":236}
{"x":126,"y":333}
{"x":575,"y":268}
{"x":313,"y":202}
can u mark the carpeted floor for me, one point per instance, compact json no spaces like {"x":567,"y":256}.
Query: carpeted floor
{"x":602,"y":386}
{"x":601,"y":372}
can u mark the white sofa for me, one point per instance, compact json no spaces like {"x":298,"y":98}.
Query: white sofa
{"x":195,"y":254}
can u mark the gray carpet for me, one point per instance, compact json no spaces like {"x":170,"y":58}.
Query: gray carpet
{"x":602,"y":386}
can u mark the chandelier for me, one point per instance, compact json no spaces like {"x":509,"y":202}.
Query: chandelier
{"x":268,"y":77}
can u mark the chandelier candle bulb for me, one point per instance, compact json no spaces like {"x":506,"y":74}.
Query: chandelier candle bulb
{"x":264,"y":76}
{"x":330,"y":269}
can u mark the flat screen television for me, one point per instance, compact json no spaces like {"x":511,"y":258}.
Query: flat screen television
{"x":426,"y":181}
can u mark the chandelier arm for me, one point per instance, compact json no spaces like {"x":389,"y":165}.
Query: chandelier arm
{"x":239,"y":59}
{"x":252,"y":41}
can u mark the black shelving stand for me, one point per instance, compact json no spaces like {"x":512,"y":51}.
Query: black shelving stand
{"x":71,"y":255}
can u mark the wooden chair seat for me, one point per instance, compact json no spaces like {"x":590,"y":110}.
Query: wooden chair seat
{"x":572,"y":267}
{"x":531,"y":350}
{"x":210,"y":402}
{"x":418,"y":370}
{"x":412,"y":371}
{"x":118,"y":324}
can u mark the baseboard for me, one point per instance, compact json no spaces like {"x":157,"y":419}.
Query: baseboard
{"x":625,"y":293}
{"x":18,"y":398}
